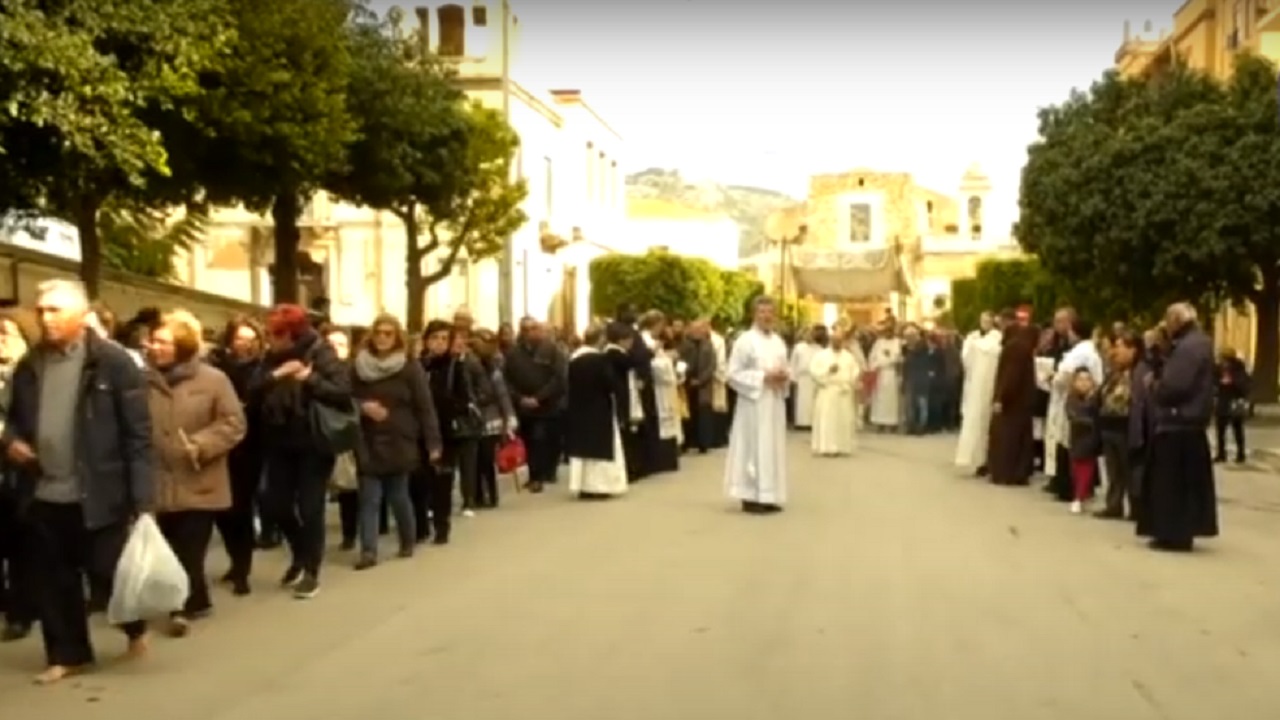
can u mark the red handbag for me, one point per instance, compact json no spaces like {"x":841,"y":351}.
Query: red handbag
{"x":511,"y":455}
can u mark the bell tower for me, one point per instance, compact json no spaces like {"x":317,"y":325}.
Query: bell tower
{"x":975,"y":188}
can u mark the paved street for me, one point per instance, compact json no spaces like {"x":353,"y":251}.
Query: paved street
{"x":891,"y":589}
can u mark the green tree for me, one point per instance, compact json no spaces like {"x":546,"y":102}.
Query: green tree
{"x":438,"y":162}
{"x":739,"y":288}
{"x":1145,"y":191}
{"x":145,"y":241}
{"x":273,"y":121}
{"x":79,"y":80}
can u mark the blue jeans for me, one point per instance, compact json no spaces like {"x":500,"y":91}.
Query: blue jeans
{"x":920,"y":412}
{"x":396,"y":490}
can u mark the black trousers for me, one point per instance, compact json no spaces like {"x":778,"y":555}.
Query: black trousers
{"x":348,"y":514}
{"x":487,"y":471}
{"x":189,"y":533}
{"x":431,"y":492}
{"x":297,"y":486}
{"x":62,"y":551}
{"x":1124,"y":475}
{"x":235,"y":524}
{"x":465,"y":456}
{"x":542,"y":442}
{"x":699,"y":428}
{"x":17,"y":599}
{"x":1235,"y":423}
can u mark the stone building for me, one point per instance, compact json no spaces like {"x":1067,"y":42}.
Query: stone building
{"x":922,"y":237}
{"x":355,"y":257}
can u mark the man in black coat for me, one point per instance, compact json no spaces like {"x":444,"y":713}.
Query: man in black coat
{"x":78,"y":434}
{"x":534,"y":369}
{"x":1179,"y":501}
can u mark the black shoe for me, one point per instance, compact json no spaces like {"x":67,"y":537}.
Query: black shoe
{"x":441,"y":538}
{"x":13,"y":632}
{"x":240,"y":586}
{"x":406,"y":551}
{"x":1219,"y":458}
{"x":770,"y":509}
{"x":307,"y":588}
{"x":292,"y":577}
{"x":1170,"y":546}
{"x":753,"y":508}
{"x":1109,"y":515}
{"x":348,"y":545}
{"x":269,"y":542}
{"x":365,"y":562}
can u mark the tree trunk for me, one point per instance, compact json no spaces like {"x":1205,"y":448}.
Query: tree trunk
{"x":285,"y":212}
{"x":1266,"y":361}
{"x":414,"y":285}
{"x":90,"y":245}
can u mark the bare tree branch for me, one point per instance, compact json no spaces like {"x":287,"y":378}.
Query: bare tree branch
{"x":446,"y":266}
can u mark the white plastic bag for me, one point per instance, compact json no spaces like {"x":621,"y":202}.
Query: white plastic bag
{"x":150,"y":582}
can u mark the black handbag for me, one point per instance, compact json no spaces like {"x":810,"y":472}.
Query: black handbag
{"x":469,"y":424}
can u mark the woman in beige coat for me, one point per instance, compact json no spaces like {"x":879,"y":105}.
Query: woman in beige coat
{"x":196,"y":419}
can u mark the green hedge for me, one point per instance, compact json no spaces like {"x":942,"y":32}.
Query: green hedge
{"x":678,"y":286}
{"x":1006,"y":284}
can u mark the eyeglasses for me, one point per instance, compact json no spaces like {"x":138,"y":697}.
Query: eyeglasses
{"x":384,"y":332}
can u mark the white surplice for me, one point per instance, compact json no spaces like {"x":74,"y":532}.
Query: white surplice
{"x":719,"y":386}
{"x":980,"y":356}
{"x":886,"y":398}
{"x":835,"y":425}
{"x":600,"y":477}
{"x":756,"y":464}
{"x":801,"y":355}
{"x":666,"y":389}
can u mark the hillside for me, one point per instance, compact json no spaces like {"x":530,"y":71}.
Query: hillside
{"x":748,"y":206}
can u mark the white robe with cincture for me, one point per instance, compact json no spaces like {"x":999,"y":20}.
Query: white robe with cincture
{"x":756,"y":464}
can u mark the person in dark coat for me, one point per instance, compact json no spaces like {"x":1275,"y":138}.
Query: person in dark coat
{"x":299,"y":370}
{"x":922,"y":370}
{"x":238,"y":356}
{"x":396,"y":409}
{"x":597,"y":407}
{"x":534,"y":369}
{"x":78,"y":436}
{"x":1231,"y":403}
{"x":655,"y":456}
{"x":619,"y":339}
{"x":1122,"y":402}
{"x":699,"y":355}
{"x":1009,"y":457}
{"x":1179,"y":501}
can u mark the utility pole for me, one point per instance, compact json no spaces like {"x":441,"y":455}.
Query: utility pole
{"x":506,"y":267}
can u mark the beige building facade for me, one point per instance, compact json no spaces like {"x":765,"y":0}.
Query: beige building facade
{"x":934,"y":237}
{"x":570,"y":157}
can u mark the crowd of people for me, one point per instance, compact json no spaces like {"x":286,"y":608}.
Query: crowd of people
{"x":1122,"y":411}
{"x":253,"y":432}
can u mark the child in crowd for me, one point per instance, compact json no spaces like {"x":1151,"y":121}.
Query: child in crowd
{"x":1083,"y":440}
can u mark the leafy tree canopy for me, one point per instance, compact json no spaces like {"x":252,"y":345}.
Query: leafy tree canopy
{"x":78,"y":79}
{"x":1142,"y":191}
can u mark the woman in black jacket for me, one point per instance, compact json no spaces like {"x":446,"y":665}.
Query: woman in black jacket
{"x":238,"y":356}
{"x":396,"y":409}
{"x":299,"y":370}
{"x":456,"y":380}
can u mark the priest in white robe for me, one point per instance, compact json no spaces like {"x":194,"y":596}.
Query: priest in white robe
{"x":836,"y":372}
{"x":801,"y":357}
{"x":980,"y":355}
{"x":886,"y":397}
{"x":759,"y":372}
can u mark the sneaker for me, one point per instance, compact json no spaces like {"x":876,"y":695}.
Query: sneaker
{"x":1077,"y":507}
{"x":292,"y":577}
{"x":469,"y":513}
{"x":365,"y":562}
{"x":307,"y":588}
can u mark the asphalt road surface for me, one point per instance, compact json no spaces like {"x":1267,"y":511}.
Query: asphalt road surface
{"x":891,"y":588}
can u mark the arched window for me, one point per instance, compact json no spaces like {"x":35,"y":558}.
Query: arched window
{"x":453,"y":30}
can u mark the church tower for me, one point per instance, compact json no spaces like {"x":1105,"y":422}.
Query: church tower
{"x":975,"y":188}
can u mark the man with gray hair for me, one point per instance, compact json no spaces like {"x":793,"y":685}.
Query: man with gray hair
{"x":756,"y":466}
{"x":78,"y":434}
{"x":1178,"y":501}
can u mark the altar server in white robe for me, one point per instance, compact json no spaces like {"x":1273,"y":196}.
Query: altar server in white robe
{"x":801,"y":357}
{"x":836,"y":373}
{"x":980,"y":355}
{"x":759,"y":372}
{"x":886,"y":397}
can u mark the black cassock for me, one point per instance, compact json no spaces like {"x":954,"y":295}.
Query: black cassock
{"x":621,"y":363}
{"x":597,"y":401}
{"x":656,"y":456}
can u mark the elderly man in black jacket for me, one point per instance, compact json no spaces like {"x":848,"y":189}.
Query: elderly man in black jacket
{"x":78,"y":434}
{"x":536,"y":375}
{"x":1179,"y":501}
{"x":700,"y":356}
